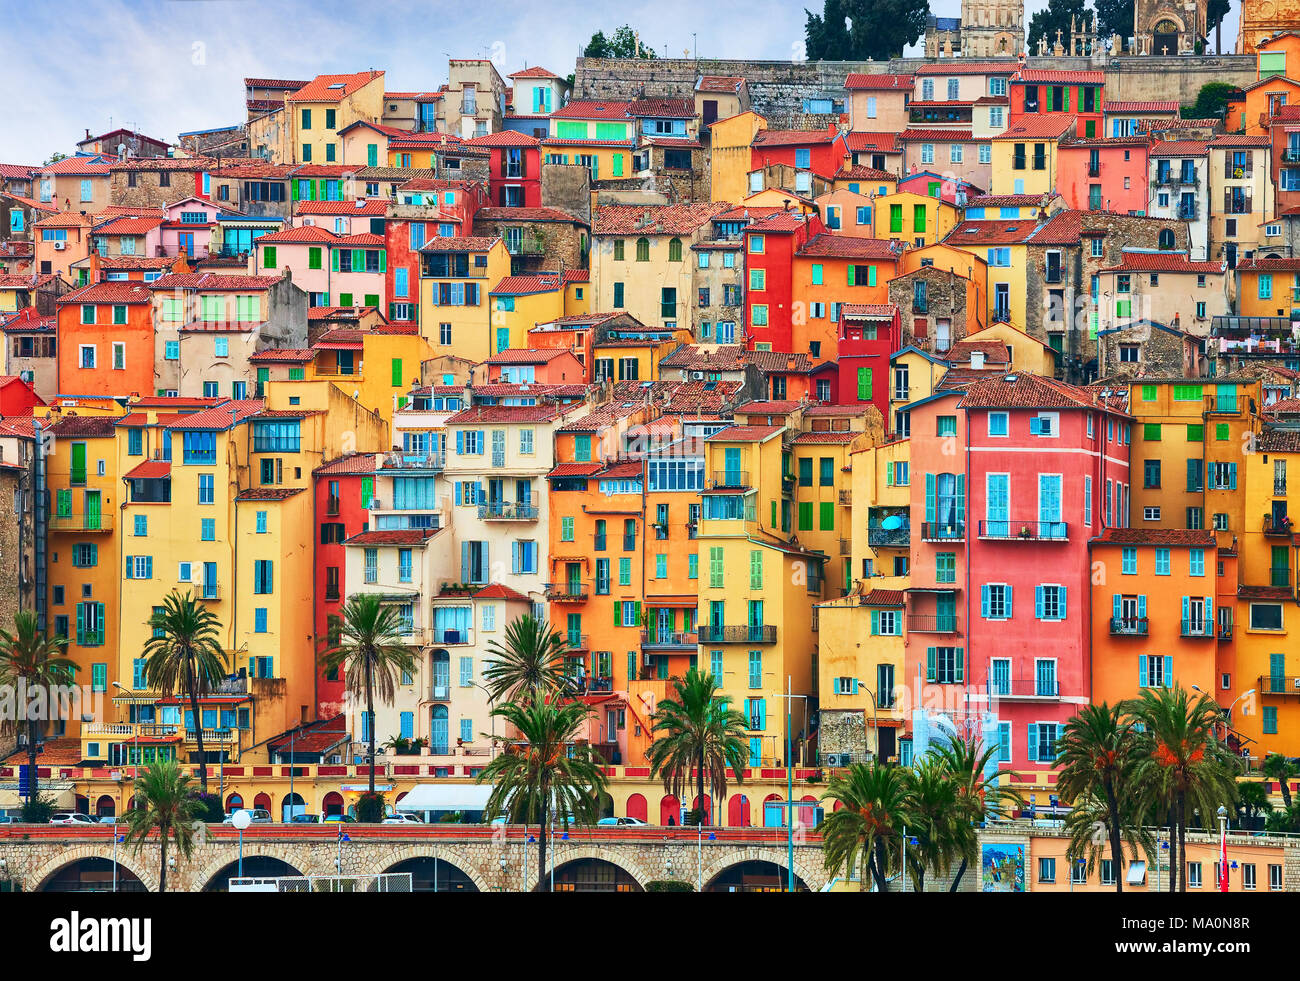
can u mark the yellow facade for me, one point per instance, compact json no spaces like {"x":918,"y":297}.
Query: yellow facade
{"x":515,"y":314}
{"x":464,"y":330}
{"x":647,"y":276}
{"x":730,"y":156}
{"x":315,"y":124}
{"x":1027,"y":352}
{"x":1027,"y":178}
{"x":916,"y":219}
{"x":390,"y":367}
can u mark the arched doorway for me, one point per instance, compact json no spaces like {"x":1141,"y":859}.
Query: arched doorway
{"x":670,"y":810}
{"x":591,"y":875}
{"x":291,"y":805}
{"x":772,"y":816}
{"x":234,"y":803}
{"x":255,"y":866}
{"x":708,"y":807}
{"x":738,"y":811}
{"x":106,"y":806}
{"x":808,"y":815}
{"x":753,"y":876}
{"x":438,"y":728}
{"x":262,"y":801}
{"x":332,"y":803}
{"x":1164,"y":40}
{"x":430,"y":874}
{"x":92,"y":875}
{"x":637,"y":808}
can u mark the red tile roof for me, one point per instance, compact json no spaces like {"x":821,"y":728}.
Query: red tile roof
{"x":1172,"y":262}
{"x":745,"y":434}
{"x":884,"y":597}
{"x":353,"y":463}
{"x":662,"y":108}
{"x":1037,"y":127}
{"x":719,"y":83}
{"x":525,"y":355}
{"x":1003,"y":231}
{"x":656,"y":219}
{"x":213,"y":282}
{"x":1022,"y":390}
{"x":220,"y":417}
{"x":1056,"y":75}
{"x":498,"y":591}
{"x":304,"y":235}
{"x":1266,"y":264}
{"x":1156,"y":536}
{"x":290,"y":354}
{"x":1180,"y":148}
{"x":506,"y":137}
{"x":393,"y":536}
{"x":574,"y":469}
{"x":333,"y":88}
{"x":269,"y":493}
{"x":85,"y":426}
{"x":860,"y":142}
{"x":793,"y":137}
{"x":825,"y":438}
{"x":868,"y":311}
{"x":995,"y":352}
{"x":1007,"y":201}
{"x":366,"y":208}
{"x":591,"y":109}
{"x":1113,"y":106}
{"x":877,"y":82}
{"x":128,"y":225}
{"x":503,"y":413}
{"x":1007,"y":67}
{"x":467,"y":243}
{"x":540,"y":282}
{"x":150,"y":470}
{"x":936,"y":135}
{"x":847,"y":246}
{"x":861,"y":173}
{"x":117,"y":293}
{"x":537,"y":71}
{"x":526,"y":214}
{"x":1239,"y":140}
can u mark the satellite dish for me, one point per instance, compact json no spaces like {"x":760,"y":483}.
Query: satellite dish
{"x":892,"y":523}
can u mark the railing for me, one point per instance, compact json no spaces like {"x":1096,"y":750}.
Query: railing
{"x":1278,"y":684}
{"x":81,"y":522}
{"x":629,"y":543}
{"x":498,"y":460}
{"x":507,"y":511}
{"x":1291,"y":155}
{"x":1128,"y":626}
{"x":1225,"y":630}
{"x":577,"y":642}
{"x":440,"y":692}
{"x":1196,"y":628}
{"x":567,"y":592}
{"x":217,"y":736}
{"x":208,"y":591}
{"x":1281,"y":529}
{"x":946,"y":531}
{"x":1024,"y":688}
{"x":326,"y":371}
{"x":1094,"y":170}
{"x":711,"y":633}
{"x":1279,"y":575}
{"x":924,"y":623}
{"x":450,"y":638}
{"x":1187,"y":212}
{"x":1044,"y":531}
{"x":729,"y":479}
{"x":878,"y":536}
{"x":148,"y":730}
{"x":665,"y":638}
{"x":397,"y":460}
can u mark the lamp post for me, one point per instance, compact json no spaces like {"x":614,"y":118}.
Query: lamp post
{"x":1223,"y":848}
{"x":1227,"y":713}
{"x":342,"y":838}
{"x":699,"y":865}
{"x":789,"y":780}
{"x":241,"y":820}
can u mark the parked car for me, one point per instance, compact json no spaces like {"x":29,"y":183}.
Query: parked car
{"x":70,"y":817}
{"x":614,"y":822}
{"x":260,"y":815}
{"x":499,"y":821}
{"x":403,"y":819}
{"x":339,"y":819}
{"x":9,"y":819}
{"x":305,"y":819}
{"x":110,"y":819}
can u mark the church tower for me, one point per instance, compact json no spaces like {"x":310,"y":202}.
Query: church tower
{"x":992,"y":28}
{"x":1169,"y":27}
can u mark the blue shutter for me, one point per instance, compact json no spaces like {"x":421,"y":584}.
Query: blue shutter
{"x":460,"y":442}
{"x":1232,"y":476}
{"x":960,"y":676}
{"x":1142,"y":670}
{"x":1169,"y":671}
{"x":929,"y":664}
{"x":464,"y":561}
{"x":1142,"y":607}
{"x":1186,"y":609}
{"x":929,"y":497}
{"x":1038,"y":602}
{"x":408,"y":724}
{"x":875,"y":622}
{"x":1032,"y":734}
{"x":984,"y":600}
{"x":1010,"y":596}
{"x":1115,"y":606}
{"x":961,"y":498}
{"x":1061,"y":593}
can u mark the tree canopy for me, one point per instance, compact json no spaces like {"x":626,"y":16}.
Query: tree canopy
{"x":854,"y":30}
{"x":621,"y":44}
{"x":1052,"y":18}
{"x":1113,"y":17}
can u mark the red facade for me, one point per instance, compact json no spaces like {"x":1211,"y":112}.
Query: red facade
{"x":514,"y":170}
{"x":769,"y":244}
{"x":821,"y":151}
{"x":870,"y":334}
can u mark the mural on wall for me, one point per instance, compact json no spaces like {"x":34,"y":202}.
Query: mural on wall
{"x":1002,"y":868}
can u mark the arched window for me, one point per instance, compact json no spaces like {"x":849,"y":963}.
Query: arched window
{"x":438,"y":731}
{"x":1166,"y":239}
{"x":643,"y":250}
{"x":675,"y":250}
{"x":234,"y":803}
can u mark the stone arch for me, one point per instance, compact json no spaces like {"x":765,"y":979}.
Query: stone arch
{"x":126,"y":857}
{"x":467,"y":869}
{"x":305,"y":860}
{"x":624,"y":858}
{"x":197,"y":885}
{"x":453,"y":854}
{"x":814,"y":879}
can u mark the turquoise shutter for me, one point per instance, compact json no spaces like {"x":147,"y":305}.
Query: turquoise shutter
{"x":1032,"y":740}
{"x":1010,"y":597}
{"x":1186,"y":609}
{"x":875,"y":622}
{"x":1115,"y":606}
{"x":1064,"y":599}
{"x":1232,"y":476}
{"x":984,"y":600}
{"x":961,"y":499}
{"x":334,"y":260}
{"x":929,"y":664}
{"x":961,"y":665}
{"x":464,"y":561}
{"x":99,"y":621}
{"x":383,"y":261}
{"x":1169,"y":671}
{"x":1142,"y":607}
{"x":1038,"y":602}
{"x":1209,"y":613}
{"x":929,"y":497}
{"x":460,"y":442}
{"x":1142,"y":671}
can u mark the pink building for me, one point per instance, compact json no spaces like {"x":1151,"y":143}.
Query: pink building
{"x":334,"y":270}
{"x":360,"y":217}
{"x":1104,"y":174}
{"x":187,"y":227}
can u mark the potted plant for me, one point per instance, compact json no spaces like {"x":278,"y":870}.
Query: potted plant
{"x":1024,"y":531}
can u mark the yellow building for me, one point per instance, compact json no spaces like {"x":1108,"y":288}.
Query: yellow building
{"x":1027,"y":352}
{"x":757,"y":591}
{"x":641,"y":259}
{"x":916,"y":219}
{"x":1001,"y":246}
{"x":390,"y":366}
{"x":1241,"y":194}
{"x":457,"y":276}
{"x":730,"y":155}
{"x":597,"y":135}
{"x":326,"y":105}
{"x":520,"y":303}
{"x":631,"y":352}
{"x":1268,"y":287}
{"x":1025,"y":155}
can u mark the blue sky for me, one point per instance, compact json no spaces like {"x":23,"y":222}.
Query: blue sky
{"x":166,"y":66}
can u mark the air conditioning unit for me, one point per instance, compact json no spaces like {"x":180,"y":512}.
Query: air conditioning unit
{"x":308,"y":221}
{"x":837,"y":759}
{"x":697,"y":375}
{"x":60,"y":246}
{"x":115,"y":776}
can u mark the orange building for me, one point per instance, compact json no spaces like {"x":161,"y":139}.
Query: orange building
{"x":827,"y":272}
{"x":106,"y":340}
{"x":1162,"y":605}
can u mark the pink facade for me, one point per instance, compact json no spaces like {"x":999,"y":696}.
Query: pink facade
{"x":320,"y":267}
{"x":187,"y":227}
{"x":1104,"y":175}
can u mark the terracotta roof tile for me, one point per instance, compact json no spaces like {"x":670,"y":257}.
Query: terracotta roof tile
{"x":1113,"y":107}
{"x":499,"y":591}
{"x":847,"y":246}
{"x":150,"y":470}
{"x":84,"y":426}
{"x":269,"y":493}
{"x":116,"y":293}
{"x":877,"y":82}
{"x":745,"y":434}
{"x":220,"y":417}
{"x":1023,"y":390}
{"x":333,"y":88}
{"x":1156,"y":536}
{"x":503,"y":413}
{"x":592,"y":109}
{"x":793,"y":137}
{"x":662,"y":108}
{"x":393,"y":536}
{"x":1171,"y":262}
{"x":661,"y":219}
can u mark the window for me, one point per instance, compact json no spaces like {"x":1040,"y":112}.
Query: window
{"x":1047,"y":870}
{"x":995,"y":601}
{"x":945,"y":665}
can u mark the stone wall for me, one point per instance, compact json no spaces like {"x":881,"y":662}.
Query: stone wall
{"x":843,"y":731}
{"x":945,"y":298}
{"x":547,"y":245}
{"x":1160,"y":353}
{"x":568,"y":188}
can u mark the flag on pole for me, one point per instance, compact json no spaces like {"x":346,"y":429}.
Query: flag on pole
{"x":1223,"y":859}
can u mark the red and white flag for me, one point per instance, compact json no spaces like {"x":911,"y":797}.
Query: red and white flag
{"x":1223,"y":860}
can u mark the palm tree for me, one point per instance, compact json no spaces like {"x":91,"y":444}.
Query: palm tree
{"x":1181,"y":765}
{"x":545,"y":768}
{"x":866,"y":828}
{"x":1088,"y":812}
{"x":981,"y":793}
{"x":164,"y":800}
{"x":1253,"y":800}
{"x":34,"y":660}
{"x":184,"y":654}
{"x":529,"y":664}
{"x":931,"y":815}
{"x":372,"y":656}
{"x":1096,"y":759}
{"x":1278,"y":767}
{"x":697,"y":731}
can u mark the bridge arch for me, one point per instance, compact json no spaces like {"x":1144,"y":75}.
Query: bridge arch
{"x":260,"y":866}
{"x":127,"y":860}
{"x":591,"y":874}
{"x":752,"y":862}
{"x":454,"y":855}
{"x":433,"y":873}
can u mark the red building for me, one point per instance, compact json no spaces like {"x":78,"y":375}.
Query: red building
{"x":821,"y":151}
{"x":769,"y":244}
{"x":870,"y":333}
{"x":17,"y":397}
{"x":343,"y":489}
{"x":514,"y":170}
{"x":106,"y":340}
{"x":1104,"y":174}
{"x":1073,"y":94}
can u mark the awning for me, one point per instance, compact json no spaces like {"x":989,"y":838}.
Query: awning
{"x":446,"y":797}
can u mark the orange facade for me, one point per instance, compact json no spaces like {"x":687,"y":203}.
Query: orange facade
{"x":106,"y":341}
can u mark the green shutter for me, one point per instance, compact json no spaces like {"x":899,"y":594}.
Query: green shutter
{"x":397,"y":372}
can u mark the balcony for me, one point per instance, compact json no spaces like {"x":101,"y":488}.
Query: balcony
{"x":207,"y":591}
{"x":846,"y":546}
{"x":1291,"y":154}
{"x":943,"y":531}
{"x":396,"y":460}
{"x":81,"y":522}
{"x":573,"y":592}
{"x":212,"y":737}
{"x":440,"y":691}
{"x":1277,"y":529}
{"x":1187,"y":212}
{"x":1225,"y":630}
{"x":507,"y":511}
{"x":1196,"y":628}
{"x":577,"y":642}
{"x":729,"y":480}
{"x":1031,"y":689}
{"x":1279,"y":576}
{"x":448,"y":637}
{"x":1034,"y":530}
{"x":1094,"y":170}
{"x":878,"y":536}
{"x":669,"y":640}
{"x":927,"y":623}
{"x":1277,"y":684}
{"x":1128,"y":626}
{"x":711,"y":633}
{"x":146,"y":730}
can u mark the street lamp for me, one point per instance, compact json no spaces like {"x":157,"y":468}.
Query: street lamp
{"x":1227,"y":713}
{"x":241,"y":820}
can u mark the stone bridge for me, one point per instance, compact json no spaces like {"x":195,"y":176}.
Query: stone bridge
{"x":468,"y":858}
